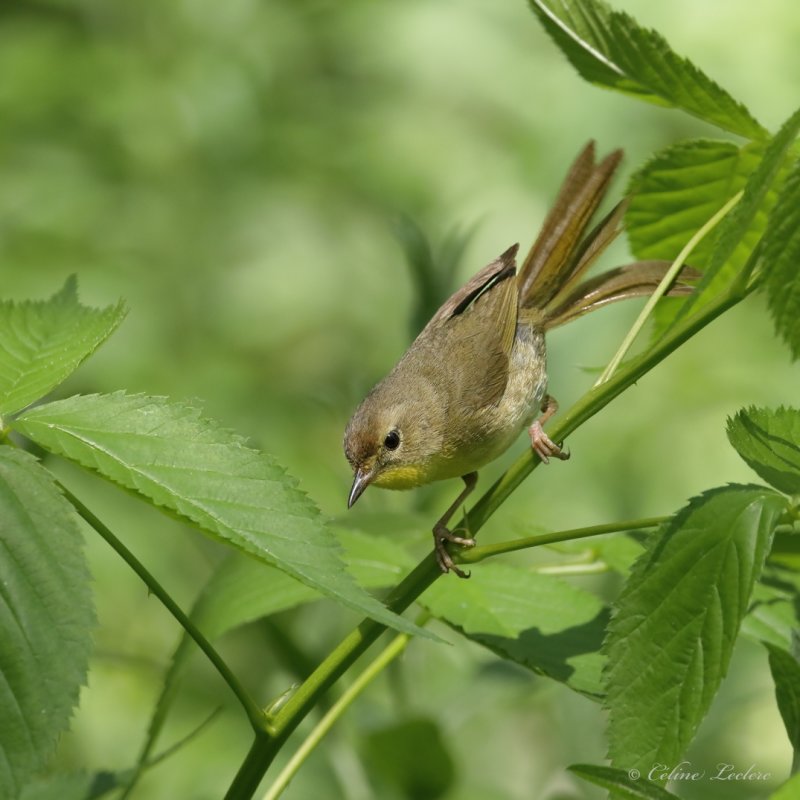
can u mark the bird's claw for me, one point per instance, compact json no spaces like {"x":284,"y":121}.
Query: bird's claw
{"x":441,"y":536}
{"x":544,"y":446}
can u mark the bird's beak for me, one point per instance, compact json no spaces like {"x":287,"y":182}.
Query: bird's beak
{"x":362,"y":479}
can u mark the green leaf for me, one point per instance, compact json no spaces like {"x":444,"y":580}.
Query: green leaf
{"x":789,"y":791}
{"x":758,"y":198}
{"x":781,"y":255}
{"x":786,"y":548}
{"x":46,"y":617}
{"x":773,"y":613}
{"x":785,"y":670}
{"x":167,"y":454}
{"x":41,"y":343}
{"x":610,"y":49}
{"x":769,"y":441}
{"x":376,"y":561}
{"x":675,"y":193}
{"x":627,"y":784}
{"x":677,"y":619}
{"x":619,"y":552}
{"x":681,"y":188}
{"x":409,"y":759}
{"x":70,"y":786}
{"x":243,"y":589}
{"x":539,"y":621}
{"x":73,"y":786}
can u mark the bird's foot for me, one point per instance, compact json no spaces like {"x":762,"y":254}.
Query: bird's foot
{"x":441,"y":536}
{"x":543,"y":445}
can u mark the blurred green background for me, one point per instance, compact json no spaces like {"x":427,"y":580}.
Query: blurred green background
{"x":234,"y":171}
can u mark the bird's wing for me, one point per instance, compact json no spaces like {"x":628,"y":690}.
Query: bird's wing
{"x":475,"y":329}
{"x":458,"y":302}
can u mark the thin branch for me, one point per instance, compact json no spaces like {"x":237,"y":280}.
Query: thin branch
{"x":381,"y":661}
{"x":174,"y":748}
{"x":526,"y":542}
{"x":662,"y":287}
{"x":592,"y":568}
{"x":254,"y":713}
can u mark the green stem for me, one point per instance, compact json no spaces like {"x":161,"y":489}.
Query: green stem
{"x":254,"y":713}
{"x":591,"y":568}
{"x":384,"y":658}
{"x":253,"y":768}
{"x":426,"y":572}
{"x":670,"y":276}
{"x":324,"y":676}
{"x":486,"y":551}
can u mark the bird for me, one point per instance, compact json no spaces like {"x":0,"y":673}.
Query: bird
{"x":476,"y":375}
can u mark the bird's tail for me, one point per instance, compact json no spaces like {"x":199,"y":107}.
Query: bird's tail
{"x":550,"y":277}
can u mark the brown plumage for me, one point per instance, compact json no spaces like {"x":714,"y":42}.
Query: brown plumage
{"x":475,"y":377}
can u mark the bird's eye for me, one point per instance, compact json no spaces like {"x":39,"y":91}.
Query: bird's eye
{"x":392,"y":440}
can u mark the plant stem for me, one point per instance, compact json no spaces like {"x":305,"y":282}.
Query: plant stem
{"x":664,"y":284}
{"x":324,"y":676}
{"x":254,"y":713}
{"x":383,"y":659}
{"x":591,"y":568}
{"x":480,"y":553}
{"x":426,"y":572}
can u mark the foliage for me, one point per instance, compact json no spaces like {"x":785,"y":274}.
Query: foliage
{"x":654,"y":652}
{"x":47,"y":616}
{"x":621,"y":782}
{"x":167,"y":454}
{"x":781,"y":251}
{"x":539,"y":621}
{"x":610,"y":49}
{"x":786,"y":674}
{"x":677,"y":619}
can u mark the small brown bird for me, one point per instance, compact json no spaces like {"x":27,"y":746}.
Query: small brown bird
{"x":476,"y":375}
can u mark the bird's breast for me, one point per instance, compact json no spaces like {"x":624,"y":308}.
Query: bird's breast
{"x":527,"y":379}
